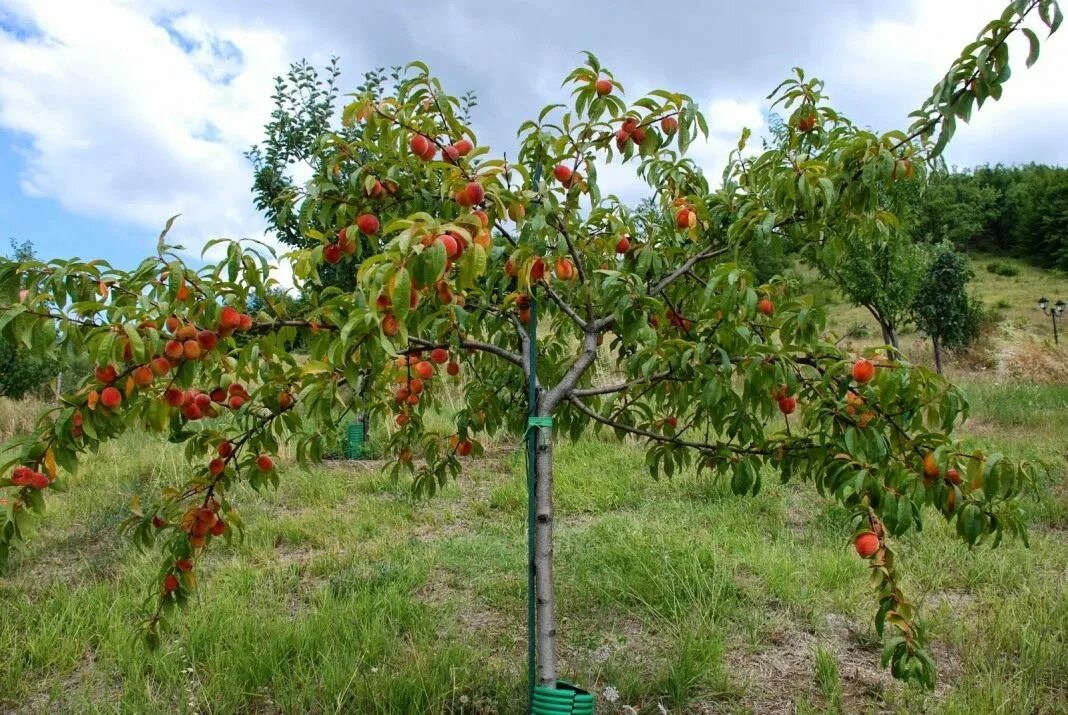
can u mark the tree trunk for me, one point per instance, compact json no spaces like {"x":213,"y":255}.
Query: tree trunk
{"x":545,"y":614}
{"x":889,"y":334}
{"x":937,"y":353}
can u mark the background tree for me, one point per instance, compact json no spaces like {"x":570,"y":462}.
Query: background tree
{"x":23,"y":372}
{"x":883,"y":276}
{"x":1008,"y":210}
{"x":943,"y":308}
{"x":510,"y":276}
{"x":956,"y":207}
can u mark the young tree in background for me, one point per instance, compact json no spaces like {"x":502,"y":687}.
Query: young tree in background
{"x":943,"y":308}
{"x":22,"y":371}
{"x":882,"y":275}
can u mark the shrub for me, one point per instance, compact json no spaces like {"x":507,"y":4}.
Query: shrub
{"x":1002,"y":269}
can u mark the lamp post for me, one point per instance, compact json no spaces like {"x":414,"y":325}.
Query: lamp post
{"x":1055,"y":311}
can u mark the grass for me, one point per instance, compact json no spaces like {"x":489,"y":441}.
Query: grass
{"x":345,"y":596}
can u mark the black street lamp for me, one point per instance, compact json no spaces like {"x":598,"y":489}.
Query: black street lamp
{"x":1055,"y":311}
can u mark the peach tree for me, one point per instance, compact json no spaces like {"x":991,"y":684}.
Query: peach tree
{"x":516,"y":279}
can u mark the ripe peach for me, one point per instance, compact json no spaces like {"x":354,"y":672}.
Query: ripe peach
{"x":285,"y":400}
{"x":464,"y":448}
{"x":174,"y":350}
{"x":565,"y":270}
{"x":225,"y":449}
{"x":219,"y":528}
{"x":160,"y":366}
{"x":424,"y":370}
{"x":638,"y":135}
{"x":419,"y":145}
{"x":685,"y":219}
{"x":930,"y":466}
{"x":216,"y":467}
{"x":191,"y":350}
{"x":106,"y":374}
{"x":603,"y":86}
{"x":184,"y":565}
{"x":110,"y":397}
{"x":159,"y":522}
{"x":368,"y":224}
{"x":172,"y":323}
{"x":143,"y":376}
{"x":450,"y":245}
{"x":669,"y":125}
{"x":192,"y":412}
{"x":415,"y":386}
{"x":207,"y":339}
{"x":765,"y":306}
{"x":622,"y":137}
{"x":390,"y":326}
{"x":483,"y":217}
{"x":562,"y":173}
{"x":475,"y":192}
{"x":229,"y":318}
{"x":170,"y":583}
{"x":174,"y":397}
{"x":439,"y":355}
{"x":236,"y":401}
{"x":264,"y":463}
{"x":953,"y":476}
{"x":453,"y":368}
{"x":787,"y":405}
{"x":623,"y":244}
{"x":464,"y":147}
{"x":517,"y":212}
{"x":866,"y":544}
{"x":403,"y":418}
{"x":246,"y":322}
{"x":332,"y":253}
{"x":863,"y":370}
{"x":537,"y":270}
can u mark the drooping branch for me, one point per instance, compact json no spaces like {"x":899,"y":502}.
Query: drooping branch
{"x":668,"y":439}
{"x":497,"y":350}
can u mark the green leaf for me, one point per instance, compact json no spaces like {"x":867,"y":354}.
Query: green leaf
{"x":1032,"y":38}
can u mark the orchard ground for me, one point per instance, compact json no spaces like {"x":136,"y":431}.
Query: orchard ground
{"x":345,"y":596}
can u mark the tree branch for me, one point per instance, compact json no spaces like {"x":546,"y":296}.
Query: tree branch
{"x":564,"y":389}
{"x":619,"y":387}
{"x":497,"y":350}
{"x":685,"y":268}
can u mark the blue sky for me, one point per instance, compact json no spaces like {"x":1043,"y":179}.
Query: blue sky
{"x":115,"y":115}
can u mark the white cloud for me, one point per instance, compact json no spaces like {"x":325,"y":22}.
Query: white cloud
{"x":133,"y":111}
{"x":126,"y":125}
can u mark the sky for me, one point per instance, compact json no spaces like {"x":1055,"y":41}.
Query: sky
{"x":117,"y":114}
